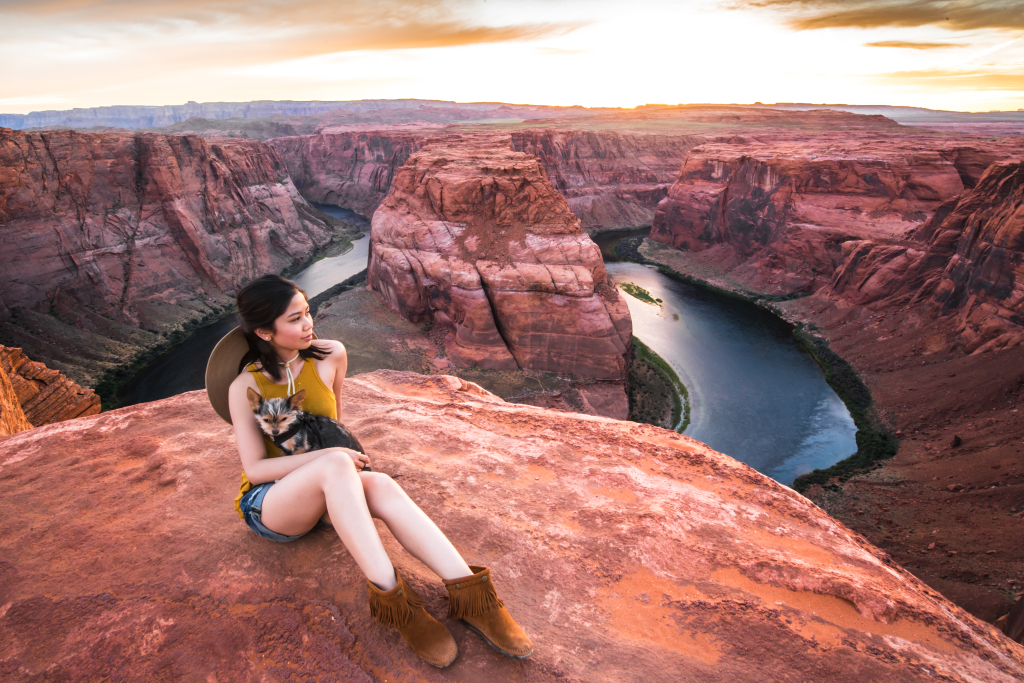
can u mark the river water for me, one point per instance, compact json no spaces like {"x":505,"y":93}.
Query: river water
{"x":755,"y":393}
{"x":183,"y":367}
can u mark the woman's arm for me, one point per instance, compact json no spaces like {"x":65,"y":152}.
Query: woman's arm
{"x":337,"y":368}
{"x":257,"y":466}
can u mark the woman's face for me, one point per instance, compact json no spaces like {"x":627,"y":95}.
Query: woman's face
{"x":293,"y":330}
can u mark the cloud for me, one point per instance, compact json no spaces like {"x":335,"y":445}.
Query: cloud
{"x":953,"y":80}
{"x":269,"y":30}
{"x":955,"y":15}
{"x":911,"y":45}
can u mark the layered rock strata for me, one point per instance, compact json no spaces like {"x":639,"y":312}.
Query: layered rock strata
{"x":775,"y":214}
{"x":474,"y":239}
{"x":352,"y":169}
{"x":12,"y":417}
{"x":611,"y":180}
{"x":45,"y":395}
{"x":968,"y":259}
{"x":106,"y":239}
{"x":627,"y":552}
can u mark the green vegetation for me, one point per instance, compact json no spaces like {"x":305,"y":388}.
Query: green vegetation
{"x":653,"y":384}
{"x":874,"y":440}
{"x":640,"y":293}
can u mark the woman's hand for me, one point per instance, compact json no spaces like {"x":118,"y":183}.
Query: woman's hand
{"x":360,"y":459}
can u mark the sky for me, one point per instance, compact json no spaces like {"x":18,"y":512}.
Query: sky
{"x":941,"y":54}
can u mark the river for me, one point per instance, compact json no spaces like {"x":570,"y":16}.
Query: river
{"x":755,"y":393}
{"x":183,"y":367}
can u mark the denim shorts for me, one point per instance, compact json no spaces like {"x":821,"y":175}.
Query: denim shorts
{"x":252,"y":508}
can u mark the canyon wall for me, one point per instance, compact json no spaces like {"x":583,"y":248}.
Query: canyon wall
{"x":350,"y":169}
{"x":611,"y":180}
{"x":775,"y":214}
{"x":968,"y":259}
{"x":473,"y":239}
{"x":627,"y":552}
{"x":107,"y":240}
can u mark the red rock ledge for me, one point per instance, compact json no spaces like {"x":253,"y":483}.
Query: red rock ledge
{"x":629,"y":553}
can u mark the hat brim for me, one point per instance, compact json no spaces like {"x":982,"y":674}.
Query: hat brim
{"x":222,"y":369}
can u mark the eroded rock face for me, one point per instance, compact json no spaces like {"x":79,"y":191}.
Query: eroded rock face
{"x":968,"y":259}
{"x":351,"y":169}
{"x":12,"y":417}
{"x":777,"y":213}
{"x":627,"y":552}
{"x":113,"y":233}
{"x":611,"y":180}
{"x":473,"y":238}
{"x":45,"y":395}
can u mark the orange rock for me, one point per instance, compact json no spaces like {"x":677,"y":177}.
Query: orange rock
{"x":627,"y":552}
{"x":473,"y":238}
{"x":12,"y":418}
{"x":45,"y":395}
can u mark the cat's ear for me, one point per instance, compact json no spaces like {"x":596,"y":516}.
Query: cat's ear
{"x":296,"y":399}
{"x":255,"y":400}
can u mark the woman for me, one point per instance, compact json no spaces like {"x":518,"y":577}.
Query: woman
{"x":284,"y":496}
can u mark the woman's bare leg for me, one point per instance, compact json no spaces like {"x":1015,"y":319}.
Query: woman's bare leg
{"x":410,"y":525}
{"x":294,"y":504}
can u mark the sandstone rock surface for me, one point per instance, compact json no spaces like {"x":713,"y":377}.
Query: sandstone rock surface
{"x":611,"y":180}
{"x":968,"y":259}
{"x":107,"y":238}
{"x":474,"y":239}
{"x":775,"y":213}
{"x":45,"y":395}
{"x":629,"y":553}
{"x":12,"y":417}
{"x":353,"y":169}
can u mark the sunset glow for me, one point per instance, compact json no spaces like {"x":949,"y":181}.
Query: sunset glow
{"x":59,"y":54}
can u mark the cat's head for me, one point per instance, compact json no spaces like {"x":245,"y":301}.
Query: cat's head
{"x":276,"y":415}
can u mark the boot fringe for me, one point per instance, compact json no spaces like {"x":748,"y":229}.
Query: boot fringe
{"x":396,"y":607}
{"x":472,"y":601}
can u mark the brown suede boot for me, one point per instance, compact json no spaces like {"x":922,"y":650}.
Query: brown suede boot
{"x":474,"y":601}
{"x":402,"y":608}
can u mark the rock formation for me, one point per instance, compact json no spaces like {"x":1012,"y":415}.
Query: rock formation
{"x":776,"y":213}
{"x":353,"y":169}
{"x":106,"y":239}
{"x":628,"y":553}
{"x":473,"y":238}
{"x":12,"y":417}
{"x":968,"y":259}
{"x":610,"y":179}
{"x":45,"y":395}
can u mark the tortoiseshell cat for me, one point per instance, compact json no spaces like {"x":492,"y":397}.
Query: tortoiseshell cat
{"x":293,"y":430}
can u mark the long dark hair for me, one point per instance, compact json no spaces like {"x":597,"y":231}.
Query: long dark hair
{"x":260,"y":303}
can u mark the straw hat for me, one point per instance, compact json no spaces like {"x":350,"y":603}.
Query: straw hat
{"x":222,"y":369}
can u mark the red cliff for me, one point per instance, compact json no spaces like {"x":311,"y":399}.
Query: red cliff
{"x":967,"y":259}
{"x":12,"y":417}
{"x":775,"y":214}
{"x":45,"y":395}
{"x":474,"y":239}
{"x":610,"y":179}
{"x":107,"y":238}
{"x":627,"y":552}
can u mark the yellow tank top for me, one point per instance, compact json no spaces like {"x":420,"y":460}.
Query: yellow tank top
{"x":320,"y":400}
